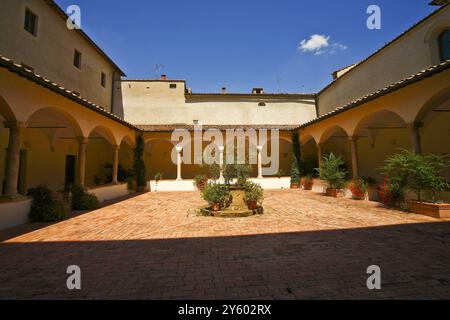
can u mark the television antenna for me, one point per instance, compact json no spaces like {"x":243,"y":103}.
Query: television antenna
{"x":158,"y":70}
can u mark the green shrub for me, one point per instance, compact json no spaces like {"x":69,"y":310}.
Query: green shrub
{"x":216,"y":193}
{"x":139,"y":164}
{"x":332,"y":172}
{"x":418,"y":173}
{"x":200,"y":181}
{"x":253,"y":192}
{"x":296,"y":158}
{"x":82,"y":200}
{"x":45,"y":208}
{"x":214,"y":171}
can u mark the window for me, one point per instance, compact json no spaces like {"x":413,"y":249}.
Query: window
{"x":77,"y":59}
{"x":31,"y":22}
{"x":103,"y":80}
{"x":444,"y":45}
{"x":173,"y":86}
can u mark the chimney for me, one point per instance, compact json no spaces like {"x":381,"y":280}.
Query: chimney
{"x":224,"y":90}
{"x":257,"y":91}
{"x":163,"y":77}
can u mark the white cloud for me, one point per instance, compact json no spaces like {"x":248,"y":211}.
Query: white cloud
{"x":320,"y":44}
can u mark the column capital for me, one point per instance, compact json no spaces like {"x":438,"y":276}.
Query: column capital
{"x":353,"y":138}
{"x":115,"y":147}
{"x":179,"y":149}
{"x":14,"y":125}
{"x":82,"y":140}
{"x":259,"y":148}
{"x":221,"y":148}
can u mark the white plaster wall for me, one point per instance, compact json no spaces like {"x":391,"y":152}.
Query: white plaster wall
{"x":13,"y":214}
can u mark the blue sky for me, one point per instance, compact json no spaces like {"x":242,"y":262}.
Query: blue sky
{"x":242,"y":44}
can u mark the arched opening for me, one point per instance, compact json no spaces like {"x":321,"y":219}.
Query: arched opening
{"x":336,"y":140}
{"x":99,"y":157}
{"x":285,"y":156}
{"x":444,"y":45}
{"x":6,"y":115}
{"x":380,"y":135}
{"x":158,"y":159}
{"x":309,"y":156}
{"x":434,"y":119}
{"x":126,"y":160}
{"x":49,"y":150}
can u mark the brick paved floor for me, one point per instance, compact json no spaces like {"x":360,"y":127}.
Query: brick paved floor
{"x":306,"y":246}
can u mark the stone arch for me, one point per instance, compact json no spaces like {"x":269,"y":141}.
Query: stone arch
{"x":6,"y":111}
{"x":432,"y":39}
{"x":433,"y":104}
{"x":385,"y":116}
{"x":105,"y":133}
{"x":328,"y":132}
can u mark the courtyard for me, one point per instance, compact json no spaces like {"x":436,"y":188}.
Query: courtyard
{"x":305,"y":246}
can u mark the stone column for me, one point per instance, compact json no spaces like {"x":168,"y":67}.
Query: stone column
{"x":414,"y":131}
{"x":13,"y":158}
{"x":260,"y":168}
{"x":320,"y":153}
{"x":354,"y":151}
{"x":82,"y":146}
{"x":179,"y":150}
{"x":221,"y":162}
{"x":115,"y":168}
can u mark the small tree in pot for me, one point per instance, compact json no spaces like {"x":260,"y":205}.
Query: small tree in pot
{"x":331,"y":171}
{"x":217,"y":195}
{"x":420,"y":174}
{"x":307,"y":182}
{"x":254,"y":195}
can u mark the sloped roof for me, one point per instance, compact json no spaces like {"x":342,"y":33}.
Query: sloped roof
{"x":22,"y":71}
{"x":173,"y":127}
{"x":384,"y":91}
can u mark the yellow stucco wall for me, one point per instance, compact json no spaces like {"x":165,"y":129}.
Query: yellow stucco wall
{"x":153,"y":102}
{"x":51,"y":53}
{"x":408,"y":55}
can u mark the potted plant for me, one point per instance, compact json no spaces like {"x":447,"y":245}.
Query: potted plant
{"x":308,"y":182}
{"x":158,"y":177}
{"x":331,"y":171}
{"x":358,"y":188}
{"x":254,"y":195}
{"x":200,"y":182}
{"x":216,"y":195}
{"x":421,"y":174}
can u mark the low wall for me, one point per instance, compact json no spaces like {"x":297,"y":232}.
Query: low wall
{"x":110,"y":192}
{"x":273,"y":183}
{"x":172,"y":185}
{"x":13,"y":214}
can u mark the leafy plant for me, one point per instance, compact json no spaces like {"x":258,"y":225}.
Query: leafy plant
{"x":200,"y":181}
{"x":216,"y":193}
{"x":332,"y":172}
{"x":417,"y":173}
{"x":296,"y":158}
{"x":138,"y":164}
{"x":82,"y":200}
{"x":241,"y":172}
{"x":358,"y":188}
{"x":214,"y":172}
{"x":122,"y":174}
{"x":158,"y":177}
{"x":391,"y":194}
{"x":308,"y":166}
{"x":253,"y":192}
{"x":44,"y":207}
{"x":307,"y":182}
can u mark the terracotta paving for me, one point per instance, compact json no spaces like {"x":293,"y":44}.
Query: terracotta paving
{"x":306,"y":246}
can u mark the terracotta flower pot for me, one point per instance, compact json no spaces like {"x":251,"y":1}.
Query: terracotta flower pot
{"x":307,"y":186}
{"x":252,"y":205}
{"x":294,"y":185}
{"x":435,"y":210}
{"x":215,"y":207}
{"x":335,"y":193}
